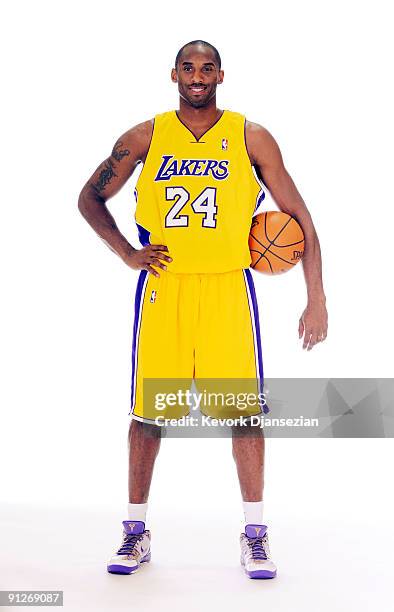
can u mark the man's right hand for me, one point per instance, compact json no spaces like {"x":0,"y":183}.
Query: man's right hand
{"x":148,"y":256}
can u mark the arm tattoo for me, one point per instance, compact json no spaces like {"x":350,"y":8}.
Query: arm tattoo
{"x":105,"y":176}
{"x":117,"y":152}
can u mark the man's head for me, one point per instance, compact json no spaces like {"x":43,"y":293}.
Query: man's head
{"x":197,"y":72}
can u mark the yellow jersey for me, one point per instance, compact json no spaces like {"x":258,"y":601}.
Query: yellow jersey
{"x":198,"y":196}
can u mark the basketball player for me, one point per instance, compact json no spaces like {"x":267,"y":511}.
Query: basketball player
{"x":196,"y":313}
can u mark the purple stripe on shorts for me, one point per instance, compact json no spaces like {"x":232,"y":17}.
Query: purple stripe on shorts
{"x":139,"y":299}
{"x":255,"y":308}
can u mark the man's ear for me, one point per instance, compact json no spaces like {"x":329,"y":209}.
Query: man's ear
{"x":221,"y":77}
{"x":174,"y":77}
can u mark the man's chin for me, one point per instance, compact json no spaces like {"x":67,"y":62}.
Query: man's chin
{"x":198,"y":103}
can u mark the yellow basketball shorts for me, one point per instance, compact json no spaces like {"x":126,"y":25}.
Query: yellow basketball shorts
{"x":194,"y":326}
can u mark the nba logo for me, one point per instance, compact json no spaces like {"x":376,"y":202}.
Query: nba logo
{"x":153,"y":296}
{"x":224,"y":144}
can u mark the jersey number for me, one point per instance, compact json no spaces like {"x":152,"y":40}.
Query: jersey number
{"x":204,"y":204}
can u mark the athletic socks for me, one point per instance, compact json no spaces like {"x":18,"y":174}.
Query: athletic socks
{"x":137,"y":512}
{"x":253,"y":512}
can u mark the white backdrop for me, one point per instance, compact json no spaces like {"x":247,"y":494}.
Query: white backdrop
{"x":318,"y":75}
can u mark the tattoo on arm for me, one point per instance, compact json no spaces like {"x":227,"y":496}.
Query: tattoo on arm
{"x":108,"y":169}
{"x":118,"y":152}
{"x":105,"y":176}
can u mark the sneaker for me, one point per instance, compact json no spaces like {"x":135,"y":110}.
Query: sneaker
{"x":255,"y":552}
{"x":135,"y":549}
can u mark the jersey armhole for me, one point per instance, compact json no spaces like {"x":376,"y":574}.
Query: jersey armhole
{"x":261,"y":194}
{"x":147,"y":153}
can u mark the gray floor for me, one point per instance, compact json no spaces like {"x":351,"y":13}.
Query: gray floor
{"x":323,"y":565}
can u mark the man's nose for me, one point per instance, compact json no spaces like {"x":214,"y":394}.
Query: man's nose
{"x":198,"y":76}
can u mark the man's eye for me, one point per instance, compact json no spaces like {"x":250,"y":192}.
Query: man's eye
{"x":208,"y":68}
{"x":187,"y":68}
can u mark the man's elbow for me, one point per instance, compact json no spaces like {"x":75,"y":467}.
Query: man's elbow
{"x":88,"y":200}
{"x":82,"y":203}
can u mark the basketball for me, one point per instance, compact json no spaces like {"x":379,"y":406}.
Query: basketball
{"x":276,"y":242}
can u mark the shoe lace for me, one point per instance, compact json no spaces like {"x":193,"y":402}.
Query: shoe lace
{"x":128,"y":544}
{"x":256,"y":545}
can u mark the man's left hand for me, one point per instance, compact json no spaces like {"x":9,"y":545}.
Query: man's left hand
{"x":313,"y":324}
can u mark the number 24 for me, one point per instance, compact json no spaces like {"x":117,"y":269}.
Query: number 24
{"x":205,"y":204}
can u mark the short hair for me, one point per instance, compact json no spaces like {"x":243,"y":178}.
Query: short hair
{"x":199,"y":42}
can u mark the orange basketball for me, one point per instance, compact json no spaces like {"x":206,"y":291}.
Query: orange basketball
{"x":276,"y":242}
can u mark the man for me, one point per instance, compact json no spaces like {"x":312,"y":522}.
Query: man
{"x":195,"y":310}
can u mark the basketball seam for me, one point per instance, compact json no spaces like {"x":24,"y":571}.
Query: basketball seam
{"x":280,"y":231}
{"x":262,"y":257}
{"x":267,"y":250}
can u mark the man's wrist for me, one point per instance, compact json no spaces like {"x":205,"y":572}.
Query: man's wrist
{"x":317,"y":298}
{"x":127,"y":251}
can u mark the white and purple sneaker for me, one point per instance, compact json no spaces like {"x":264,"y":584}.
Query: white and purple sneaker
{"x":255,"y":552}
{"x":135,"y":549}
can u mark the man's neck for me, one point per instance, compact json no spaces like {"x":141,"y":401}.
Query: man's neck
{"x":198,"y":117}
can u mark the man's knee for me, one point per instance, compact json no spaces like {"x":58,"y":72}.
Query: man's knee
{"x":144,"y":430}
